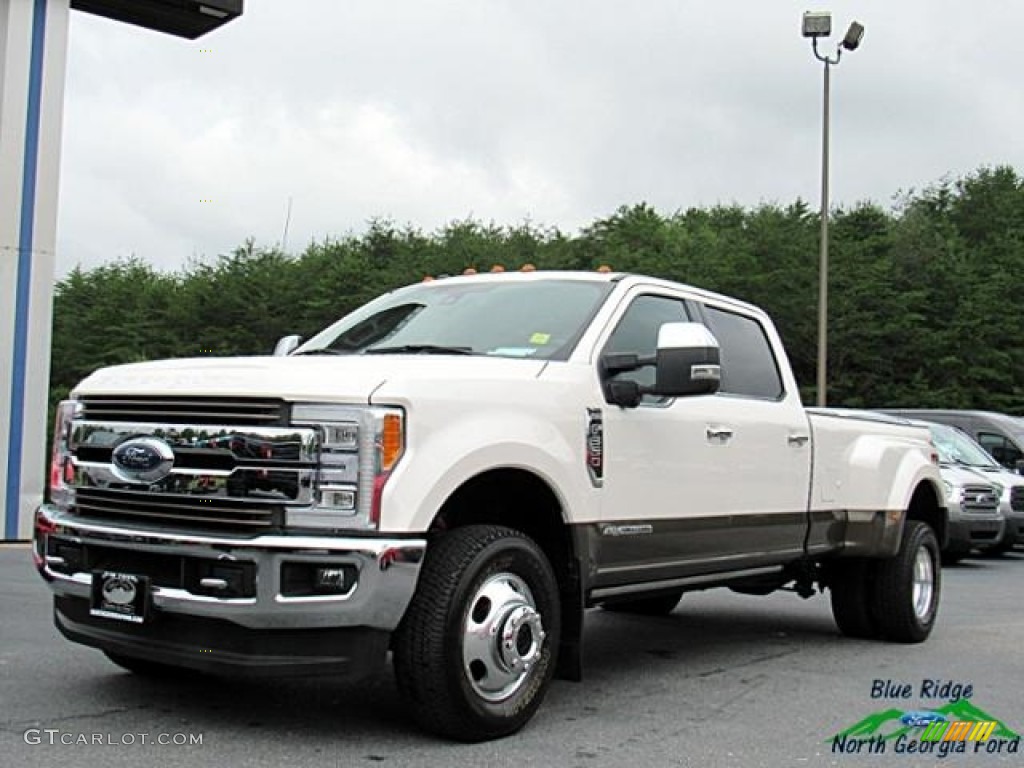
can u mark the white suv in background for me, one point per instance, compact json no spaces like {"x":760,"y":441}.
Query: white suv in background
{"x":967,"y":452}
{"x":981,"y":495}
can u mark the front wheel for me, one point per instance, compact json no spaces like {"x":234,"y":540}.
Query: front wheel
{"x":476,"y":650}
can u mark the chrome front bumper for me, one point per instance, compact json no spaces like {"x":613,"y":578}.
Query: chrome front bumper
{"x":387,"y":570}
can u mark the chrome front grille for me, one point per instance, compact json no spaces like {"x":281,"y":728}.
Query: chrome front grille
{"x":186,"y":410}
{"x":222,"y":476}
{"x":979,"y":498}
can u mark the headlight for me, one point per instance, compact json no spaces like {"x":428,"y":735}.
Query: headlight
{"x":359,"y":446}
{"x":951,"y":494}
{"x":62,"y":469}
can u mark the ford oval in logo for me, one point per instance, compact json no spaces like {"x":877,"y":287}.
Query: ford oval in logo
{"x":119,"y":591}
{"x":143,"y":460}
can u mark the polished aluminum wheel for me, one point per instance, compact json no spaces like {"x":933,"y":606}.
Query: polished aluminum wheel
{"x":502,"y":637}
{"x":924,"y":584}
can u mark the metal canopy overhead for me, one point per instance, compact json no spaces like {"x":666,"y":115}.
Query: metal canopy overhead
{"x":184,"y":18}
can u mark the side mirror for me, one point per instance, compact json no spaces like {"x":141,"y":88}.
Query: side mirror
{"x":286,"y":345}
{"x":687,"y":361}
{"x":1020,"y":466}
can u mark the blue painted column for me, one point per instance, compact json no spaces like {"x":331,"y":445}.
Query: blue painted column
{"x":33,"y":53}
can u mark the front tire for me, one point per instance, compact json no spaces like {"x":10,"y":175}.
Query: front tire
{"x":476,"y":650}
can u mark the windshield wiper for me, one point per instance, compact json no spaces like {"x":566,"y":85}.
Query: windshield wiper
{"x":320,"y":351}
{"x":419,"y":349}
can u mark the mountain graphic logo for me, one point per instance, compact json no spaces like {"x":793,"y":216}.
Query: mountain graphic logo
{"x":886,"y":723}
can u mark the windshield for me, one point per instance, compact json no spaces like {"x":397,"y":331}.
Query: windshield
{"x":955,"y":447}
{"x":540,"y":319}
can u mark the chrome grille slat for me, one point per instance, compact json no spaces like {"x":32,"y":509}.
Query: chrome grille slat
{"x":141,"y":507}
{"x":173,"y":506}
{"x":202,"y":521}
{"x":200,"y":410}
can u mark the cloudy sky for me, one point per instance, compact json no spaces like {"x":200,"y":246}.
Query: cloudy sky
{"x":555,"y":111}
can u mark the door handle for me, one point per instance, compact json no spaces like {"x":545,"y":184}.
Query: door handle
{"x":799,"y":440}
{"x":719,"y":434}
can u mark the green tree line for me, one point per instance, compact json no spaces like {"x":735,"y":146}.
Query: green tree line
{"x":924,"y":308}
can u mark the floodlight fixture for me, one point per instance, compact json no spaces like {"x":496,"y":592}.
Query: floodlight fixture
{"x":853,"y":36}
{"x":817,"y":24}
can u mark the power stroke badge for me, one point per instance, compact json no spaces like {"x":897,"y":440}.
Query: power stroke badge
{"x":595,"y":446}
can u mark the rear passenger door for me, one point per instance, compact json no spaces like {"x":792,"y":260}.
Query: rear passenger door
{"x":770,"y":456}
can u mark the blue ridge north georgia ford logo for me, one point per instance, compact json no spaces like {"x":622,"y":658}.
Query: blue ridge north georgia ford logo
{"x":142,"y":460}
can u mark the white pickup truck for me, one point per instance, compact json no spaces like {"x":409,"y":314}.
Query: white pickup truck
{"x":455,"y":472}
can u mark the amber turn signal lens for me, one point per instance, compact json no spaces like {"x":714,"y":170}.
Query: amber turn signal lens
{"x":391,"y":441}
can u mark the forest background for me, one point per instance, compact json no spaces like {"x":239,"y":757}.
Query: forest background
{"x":924,"y":307}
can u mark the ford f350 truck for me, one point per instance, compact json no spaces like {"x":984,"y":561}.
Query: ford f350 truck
{"x":455,"y":473}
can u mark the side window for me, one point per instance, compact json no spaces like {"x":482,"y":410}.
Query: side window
{"x":1002,"y":450}
{"x":748,"y":363}
{"x":637,"y":332}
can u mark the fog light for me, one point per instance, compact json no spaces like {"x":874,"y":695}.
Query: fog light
{"x":330,"y":580}
{"x":343,"y":500}
{"x":310,"y":579}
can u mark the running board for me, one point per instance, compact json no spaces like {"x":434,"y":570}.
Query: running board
{"x":707,"y":579}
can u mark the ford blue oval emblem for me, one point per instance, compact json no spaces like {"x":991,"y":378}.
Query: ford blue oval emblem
{"x":142,"y":460}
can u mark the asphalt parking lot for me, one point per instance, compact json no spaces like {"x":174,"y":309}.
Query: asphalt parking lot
{"x":726,"y":680}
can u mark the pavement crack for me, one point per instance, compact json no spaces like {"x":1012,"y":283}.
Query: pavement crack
{"x":13,"y":725}
{"x":750,"y":663}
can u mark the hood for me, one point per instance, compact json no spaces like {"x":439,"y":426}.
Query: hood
{"x":961,"y":475}
{"x":1000,"y":474}
{"x":349,"y":379}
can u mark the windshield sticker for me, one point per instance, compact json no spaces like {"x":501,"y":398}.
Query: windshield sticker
{"x":513,"y":351}
{"x":540,"y":339}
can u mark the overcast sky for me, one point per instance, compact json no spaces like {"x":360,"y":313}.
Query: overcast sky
{"x":556,"y":111}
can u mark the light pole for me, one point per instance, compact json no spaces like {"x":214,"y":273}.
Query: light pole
{"x":818,"y":24}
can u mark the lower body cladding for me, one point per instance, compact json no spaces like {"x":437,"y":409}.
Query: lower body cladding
{"x":1015,"y":527}
{"x":967,"y":532}
{"x":270,"y":604}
